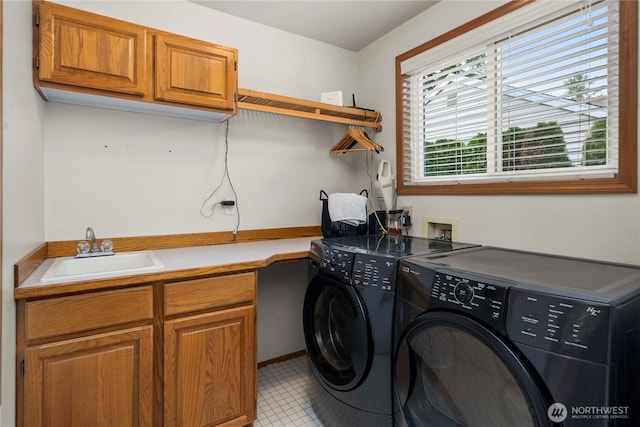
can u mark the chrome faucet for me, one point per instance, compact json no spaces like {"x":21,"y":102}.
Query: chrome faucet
{"x":92,"y":236}
{"x":86,"y":250}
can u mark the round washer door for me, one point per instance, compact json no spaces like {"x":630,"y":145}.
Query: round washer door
{"x":452,"y":371}
{"x":337,"y":333}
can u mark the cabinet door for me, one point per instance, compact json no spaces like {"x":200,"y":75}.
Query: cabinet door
{"x":210,"y":369}
{"x":99,"y":380}
{"x":193,"y":72}
{"x":91,"y":51}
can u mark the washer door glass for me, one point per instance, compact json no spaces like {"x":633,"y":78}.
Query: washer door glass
{"x":461,"y":374}
{"x":337,"y":333}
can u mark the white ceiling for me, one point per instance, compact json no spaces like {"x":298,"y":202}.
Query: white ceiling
{"x":348,"y":24}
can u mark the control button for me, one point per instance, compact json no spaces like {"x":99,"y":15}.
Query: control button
{"x":491,"y":293}
{"x":463,"y":292}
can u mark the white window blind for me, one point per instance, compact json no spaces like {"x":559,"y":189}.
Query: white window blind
{"x":536,"y":99}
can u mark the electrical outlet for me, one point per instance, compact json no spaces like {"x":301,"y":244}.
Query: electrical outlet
{"x":440,"y":228}
{"x":408,"y":209}
{"x":406,"y":218}
{"x":229,"y":207}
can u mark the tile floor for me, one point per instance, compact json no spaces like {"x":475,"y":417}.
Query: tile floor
{"x":283,"y":399}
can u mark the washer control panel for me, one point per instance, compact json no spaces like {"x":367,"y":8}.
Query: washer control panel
{"x":485,"y":301}
{"x":336,"y":263}
{"x":375,"y":272}
{"x":567,"y":326}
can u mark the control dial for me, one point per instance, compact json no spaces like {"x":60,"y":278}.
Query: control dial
{"x":463,"y":292}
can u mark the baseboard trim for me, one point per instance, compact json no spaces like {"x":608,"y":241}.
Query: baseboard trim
{"x":284,"y":358}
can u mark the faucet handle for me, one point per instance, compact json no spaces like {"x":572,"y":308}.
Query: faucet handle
{"x":106,"y":246}
{"x":83,"y":247}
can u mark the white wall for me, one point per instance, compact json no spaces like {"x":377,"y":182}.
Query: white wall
{"x":281,"y":289}
{"x":133,"y":174}
{"x":605,"y":227}
{"x":23,"y":181}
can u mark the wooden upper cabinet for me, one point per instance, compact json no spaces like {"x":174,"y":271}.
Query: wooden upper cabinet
{"x":90,"y":59}
{"x":193,"y":72}
{"x":92,"y":51}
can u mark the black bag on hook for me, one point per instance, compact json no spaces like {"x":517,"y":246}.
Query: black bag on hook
{"x":337,"y":228}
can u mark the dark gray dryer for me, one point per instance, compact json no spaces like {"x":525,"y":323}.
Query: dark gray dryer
{"x":491,"y":337}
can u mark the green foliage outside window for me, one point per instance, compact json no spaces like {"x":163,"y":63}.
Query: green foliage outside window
{"x":541,"y":146}
{"x":596,"y":144}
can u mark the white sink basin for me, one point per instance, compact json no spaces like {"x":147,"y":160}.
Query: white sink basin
{"x":119,"y":264}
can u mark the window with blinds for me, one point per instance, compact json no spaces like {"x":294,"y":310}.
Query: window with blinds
{"x":537,"y":99}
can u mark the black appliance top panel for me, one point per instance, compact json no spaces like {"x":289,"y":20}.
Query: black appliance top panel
{"x":575,"y":276}
{"x":393,"y":245}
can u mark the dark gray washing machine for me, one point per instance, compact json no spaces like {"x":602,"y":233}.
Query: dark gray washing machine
{"x":348,"y":324}
{"x":491,"y":337}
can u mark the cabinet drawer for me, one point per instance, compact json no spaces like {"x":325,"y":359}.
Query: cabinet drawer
{"x":209,"y":293}
{"x":68,"y":315}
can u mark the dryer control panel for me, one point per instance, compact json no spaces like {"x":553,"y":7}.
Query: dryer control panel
{"x":376,"y":272}
{"x":483,"y":300}
{"x":566,"y":326}
{"x":336,"y":263}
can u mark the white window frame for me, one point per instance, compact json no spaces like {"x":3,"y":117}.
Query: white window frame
{"x":625,"y":180}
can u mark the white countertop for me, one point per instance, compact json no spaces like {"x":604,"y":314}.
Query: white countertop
{"x":196,"y":257}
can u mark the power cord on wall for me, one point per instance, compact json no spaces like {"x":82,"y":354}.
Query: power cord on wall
{"x":226,"y":176}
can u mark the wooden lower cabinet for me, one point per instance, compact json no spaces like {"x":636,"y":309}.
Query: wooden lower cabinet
{"x":209,"y":369}
{"x":210,"y":354}
{"x":98,"y":380}
{"x":86,"y":359}
{"x":177,"y":354}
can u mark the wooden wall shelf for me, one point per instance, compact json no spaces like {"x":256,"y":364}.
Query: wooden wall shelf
{"x":277,"y":104}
